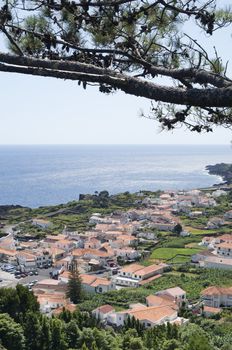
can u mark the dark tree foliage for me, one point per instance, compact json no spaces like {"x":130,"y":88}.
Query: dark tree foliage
{"x":17,"y":302}
{"x":125,"y":45}
{"x":177,"y":229}
{"x":74,"y":287}
{"x":11,"y":333}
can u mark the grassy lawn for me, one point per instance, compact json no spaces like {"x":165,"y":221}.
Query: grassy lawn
{"x":169,"y":253}
{"x":181,"y":259}
{"x":197,"y":231}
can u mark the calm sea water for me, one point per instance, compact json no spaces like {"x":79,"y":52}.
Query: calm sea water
{"x":44,"y":175}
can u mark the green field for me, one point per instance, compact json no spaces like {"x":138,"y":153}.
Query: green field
{"x":170,"y":253}
{"x":197,"y":231}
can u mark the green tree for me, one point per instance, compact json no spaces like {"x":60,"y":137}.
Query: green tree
{"x":45,"y":334}
{"x":9,"y":301}
{"x":84,"y":347}
{"x":172,"y":344}
{"x":125,"y":45}
{"x":57,"y":335}
{"x":32,"y":331}
{"x":19,"y":300}
{"x":199,"y":343}
{"x":195,"y":337}
{"x":11,"y":333}
{"x":72,"y":334}
{"x":74,"y":286}
{"x":178,"y":229}
{"x":27,"y":300}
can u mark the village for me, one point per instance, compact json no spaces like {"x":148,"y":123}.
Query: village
{"x":115,"y":254}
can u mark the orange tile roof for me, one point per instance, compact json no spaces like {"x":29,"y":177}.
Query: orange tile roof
{"x":153,"y":313}
{"x":65,"y":241}
{"x":215,"y":290}
{"x":101,"y":281}
{"x":212,"y":310}
{"x":96,"y":252}
{"x":226,"y":245}
{"x":105,"y":309}
{"x":9,"y":252}
{"x":131,"y":268}
{"x":148,"y":280}
{"x":226,"y":237}
{"x":65,"y":274}
{"x":70,"y":307}
{"x":88,"y":279}
{"x":56,"y":237}
{"x":26,"y":255}
{"x":163,"y":300}
{"x":55,"y":250}
{"x":148,"y":269}
{"x":175,"y":291}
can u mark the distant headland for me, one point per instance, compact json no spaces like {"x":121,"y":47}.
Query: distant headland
{"x":223,"y":170}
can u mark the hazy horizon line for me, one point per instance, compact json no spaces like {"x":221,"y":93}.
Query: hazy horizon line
{"x":116,"y":144}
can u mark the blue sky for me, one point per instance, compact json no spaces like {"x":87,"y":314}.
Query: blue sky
{"x":48,"y":111}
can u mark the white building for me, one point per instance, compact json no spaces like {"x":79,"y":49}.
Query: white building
{"x":224,"y":249}
{"x":217,"y":296}
{"x":41,"y":223}
{"x":216,"y":262}
{"x":147,"y":316}
{"x":103,"y":312}
{"x":134,"y":274}
{"x":26,"y":261}
{"x":177,"y":293}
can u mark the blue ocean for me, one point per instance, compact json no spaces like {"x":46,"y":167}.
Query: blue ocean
{"x":45,"y":175}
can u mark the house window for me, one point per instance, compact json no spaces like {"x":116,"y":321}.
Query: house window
{"x":100,"y":289}
{"x":148,"y":325}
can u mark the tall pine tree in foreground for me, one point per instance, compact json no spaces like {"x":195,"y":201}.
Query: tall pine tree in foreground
{"x":74,"y":287}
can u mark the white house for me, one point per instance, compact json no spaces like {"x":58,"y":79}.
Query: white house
{"x":65,"y":244}
{"x":216,"y":296}
{"x":215,"y":223}
{"x":216,"y":262}
{"x":134,"y":274}
{"x":127,"y":253}
{"x":225,"y":249}
{"x":26,"y":261}
{"x":43,"y":257}
{"x":177,"y":293}
{"x":103,"y":312}
{"x":91,"y":283}
{"x":41,"y":223}
{"x":147,"y":316}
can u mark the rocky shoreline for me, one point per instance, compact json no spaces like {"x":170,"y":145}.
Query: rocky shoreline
{"x":223,"y":170}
